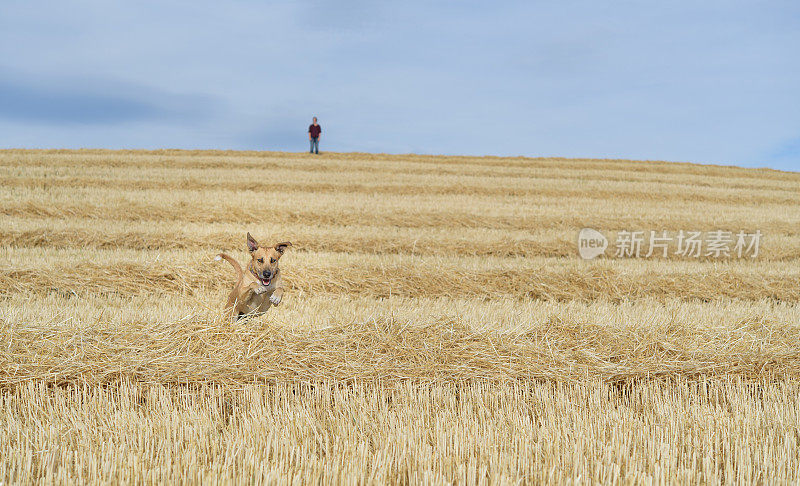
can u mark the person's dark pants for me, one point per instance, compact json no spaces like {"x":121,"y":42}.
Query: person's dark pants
{"x":314,"y":145}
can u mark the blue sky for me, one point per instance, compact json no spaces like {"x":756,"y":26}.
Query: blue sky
{"x":709,"y":82}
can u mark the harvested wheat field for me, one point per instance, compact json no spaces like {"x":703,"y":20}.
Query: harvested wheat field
{"x":438,"y":324}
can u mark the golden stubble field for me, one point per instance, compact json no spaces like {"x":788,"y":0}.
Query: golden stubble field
{"x":438,"y":325}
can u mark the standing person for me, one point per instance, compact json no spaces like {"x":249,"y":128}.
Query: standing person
{"x":314,"y":130}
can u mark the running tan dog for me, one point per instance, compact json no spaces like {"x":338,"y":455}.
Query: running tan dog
{"x":260,"y":287}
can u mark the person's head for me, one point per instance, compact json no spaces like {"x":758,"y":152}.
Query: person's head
{"x":315,"y":119}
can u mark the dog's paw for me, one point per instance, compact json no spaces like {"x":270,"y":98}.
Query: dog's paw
{"x":275,"y":299}
{"x":260,"y":290}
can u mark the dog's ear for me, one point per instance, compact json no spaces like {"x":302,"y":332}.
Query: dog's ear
{"x":281,"y":247}
{"x":252,"y":244}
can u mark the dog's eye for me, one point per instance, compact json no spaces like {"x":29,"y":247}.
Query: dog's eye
{"x":260,"y":260}
{"x":272,"y":260}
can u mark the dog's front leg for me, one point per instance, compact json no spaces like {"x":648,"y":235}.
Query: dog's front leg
{"x":245,"y":297}
{"x":276,"y":296}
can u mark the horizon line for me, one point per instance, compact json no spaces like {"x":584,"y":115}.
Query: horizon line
{"x":392,"y":155}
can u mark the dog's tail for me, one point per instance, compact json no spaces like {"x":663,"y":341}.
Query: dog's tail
{"x":233,"y":262}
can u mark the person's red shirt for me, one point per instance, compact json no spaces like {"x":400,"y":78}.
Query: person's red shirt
{"x":314,"y":130}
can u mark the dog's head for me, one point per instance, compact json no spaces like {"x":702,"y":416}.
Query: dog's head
{"x":265,"y":260}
